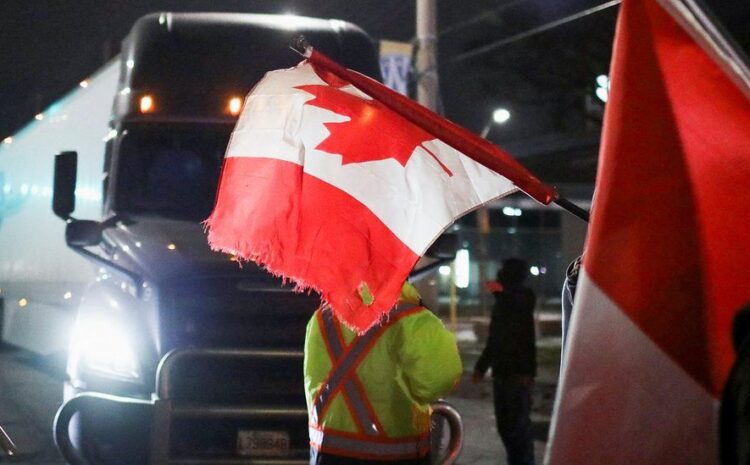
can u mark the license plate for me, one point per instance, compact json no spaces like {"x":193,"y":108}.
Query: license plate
{"x":262,"y":443}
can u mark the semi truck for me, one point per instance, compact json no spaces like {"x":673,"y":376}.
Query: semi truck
{"x":175,"y":353}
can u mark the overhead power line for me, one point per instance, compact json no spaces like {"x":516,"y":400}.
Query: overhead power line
{"x":479,"y":18}
{"x":531,"y":32}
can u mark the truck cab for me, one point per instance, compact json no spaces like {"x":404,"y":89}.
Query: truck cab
{"x":179,"y":353}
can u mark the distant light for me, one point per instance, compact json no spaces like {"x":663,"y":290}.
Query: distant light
{"x":534,"y":270}
{"x":130,"y":64}
{"x":462,"y":269}
{"x":84,"y":83}
{"x":444,"y":270}
{"x":22,"y":302}
{"x":147,"y":104}
{"x":501,"y":115}
{"x":235,"y":105}
{"x":34,"y":190}
{"x":24,"y":189}
{"x":8,"y":140}
{"x":67,"y":295}
{"x":138,"y":244}
{"x":602,"y":87}
{"x":510,"y":211}
{"x":6,"y":188}
{"x":171,"y":246}
{"x":39,"y":116}
{"x":125,"y":248}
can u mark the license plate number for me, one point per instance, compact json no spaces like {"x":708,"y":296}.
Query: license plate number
{"x":262,"y":443}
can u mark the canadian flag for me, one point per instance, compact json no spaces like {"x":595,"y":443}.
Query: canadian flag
{"x":330,"y":188}
{"x":667,"y":262}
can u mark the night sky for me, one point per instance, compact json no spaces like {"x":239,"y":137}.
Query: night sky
{"x":48,"y":46}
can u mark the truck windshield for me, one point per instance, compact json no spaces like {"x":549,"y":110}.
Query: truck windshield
{"x":170,"y":171}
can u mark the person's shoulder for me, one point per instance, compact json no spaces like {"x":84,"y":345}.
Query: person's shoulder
{"x":418,"y":317}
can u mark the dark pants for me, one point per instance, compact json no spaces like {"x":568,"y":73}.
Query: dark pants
{"x":321,"y":458}
{"x":512,"y":413}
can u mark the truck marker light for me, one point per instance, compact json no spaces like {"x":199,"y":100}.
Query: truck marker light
{"x":235,"y":105}
{"x":147,"y":104}
{"x":22,"y":302}
{"x":39,"y":116}
{"x":84,"y":83}
{"x":8,"y":140}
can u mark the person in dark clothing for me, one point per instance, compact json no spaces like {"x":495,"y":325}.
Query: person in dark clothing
{"x":511,"y":352}
{"x":734,"y":414}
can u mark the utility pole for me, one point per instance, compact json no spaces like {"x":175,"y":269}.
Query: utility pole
{"x":428,"y":93}
{"x":427,"y":74}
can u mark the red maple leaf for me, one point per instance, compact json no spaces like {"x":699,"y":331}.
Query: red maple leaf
{"x":374,"y":131}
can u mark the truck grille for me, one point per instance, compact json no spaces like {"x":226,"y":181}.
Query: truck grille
{"x":211,"y":320}
{"x":210,"y":398}
{"x":230,"y":313}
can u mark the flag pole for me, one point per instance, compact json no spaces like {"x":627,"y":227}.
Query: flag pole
{"x":478,"y":149}
{"x":572,"y":208}
{"x":461,"y":139}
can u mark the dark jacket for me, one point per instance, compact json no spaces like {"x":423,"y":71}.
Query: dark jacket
{"x":734,"y":414}
{"x":511,"y":348}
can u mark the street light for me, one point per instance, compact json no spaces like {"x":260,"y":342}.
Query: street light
{"x":499,"y":116}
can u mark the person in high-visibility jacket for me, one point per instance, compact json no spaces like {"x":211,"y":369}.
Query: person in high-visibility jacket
{"x":369,"y":395}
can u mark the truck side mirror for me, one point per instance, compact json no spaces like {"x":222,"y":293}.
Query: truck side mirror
{"x":64,"y":197}
{"x":444,"y":248}
{"x":82,"y":233}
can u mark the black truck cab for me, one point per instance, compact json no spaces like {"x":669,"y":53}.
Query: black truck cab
{"x":178,"y":353}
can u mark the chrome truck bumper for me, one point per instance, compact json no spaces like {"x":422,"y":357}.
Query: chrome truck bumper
{"x":184,"y":431}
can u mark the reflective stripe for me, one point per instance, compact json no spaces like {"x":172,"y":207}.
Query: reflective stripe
{"x":376,"y":448}
{"x":343,"y":372}
{"x":355,"y":401}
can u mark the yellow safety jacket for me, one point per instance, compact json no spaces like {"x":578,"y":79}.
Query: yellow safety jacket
{"x":368,"y":396}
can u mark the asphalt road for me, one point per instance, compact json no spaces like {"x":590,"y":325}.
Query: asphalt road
{"x":30,"y":393}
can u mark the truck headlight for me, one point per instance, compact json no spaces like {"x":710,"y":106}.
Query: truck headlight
{"x":103,"y":346}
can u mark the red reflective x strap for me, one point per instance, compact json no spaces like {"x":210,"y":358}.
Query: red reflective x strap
{"x":343,"y":374}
